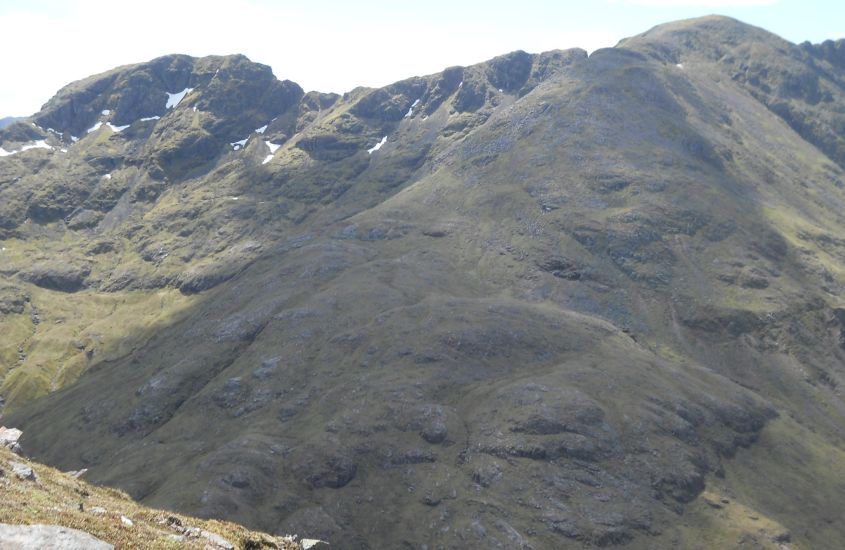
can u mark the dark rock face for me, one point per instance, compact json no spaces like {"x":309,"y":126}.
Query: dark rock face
{"x":510,"y":72}
{"x":65,"y":278}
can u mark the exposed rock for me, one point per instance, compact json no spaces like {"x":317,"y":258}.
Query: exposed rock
{"x":54,"y":537}
{"x":334,"y":472}
{"x":58,"y":275}
{"x":9,"y":439}
{"x":22,"y":471}
{"x":217,"y":541}
{"x":12,"y":300}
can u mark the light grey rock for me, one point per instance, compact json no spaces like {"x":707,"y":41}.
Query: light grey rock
{"x":55,"y":537}
{"x":22,"y":471}
{"x":217,"y":541}
{"x":9,"y":438}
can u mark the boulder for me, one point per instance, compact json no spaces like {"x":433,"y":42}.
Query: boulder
{"x":55,"y":537}
{"x":9,"y":439}
{"x":22,"y":471}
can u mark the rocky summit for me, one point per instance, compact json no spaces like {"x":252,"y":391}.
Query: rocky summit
{"x":551,"y":300}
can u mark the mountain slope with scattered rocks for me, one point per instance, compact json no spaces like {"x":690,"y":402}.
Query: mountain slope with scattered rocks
{"x":547,"y":301}
{"x":41,"y":507}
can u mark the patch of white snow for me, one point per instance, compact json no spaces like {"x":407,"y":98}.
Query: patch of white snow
{"x":236,"y":145}
{"x":5,"y":153}
{"x":273,"y":148}
{"x":411,"y":108}
{"x":74,"y":139}
{"x":116,"y":128}
{"x":40,"y":144}
{"x":174,"y":99}
{"x":146,"y":118}
{"x":680,"y":65}
{"x":377,"y":146}
{"x":261,"y":130}
{"x":94,"y":128}
{"x":106,"y":112}
{"x":107,"y":176}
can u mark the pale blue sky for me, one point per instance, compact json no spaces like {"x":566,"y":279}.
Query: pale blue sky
{"x":334,"y":45}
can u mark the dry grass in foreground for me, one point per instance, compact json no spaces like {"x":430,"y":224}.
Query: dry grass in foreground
{"x":57,"y":498}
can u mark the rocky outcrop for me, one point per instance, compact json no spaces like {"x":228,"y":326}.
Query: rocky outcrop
{"x":55,"y":537}
{"x":9,"y":438}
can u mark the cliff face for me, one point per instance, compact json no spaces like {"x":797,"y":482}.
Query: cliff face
{"x":544,"y":301}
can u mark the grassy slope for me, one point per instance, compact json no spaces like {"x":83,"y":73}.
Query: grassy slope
{"x":56,"y":498}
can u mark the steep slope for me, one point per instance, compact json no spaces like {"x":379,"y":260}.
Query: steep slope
{"x":546,"y":301}
{"x":34,"y":494}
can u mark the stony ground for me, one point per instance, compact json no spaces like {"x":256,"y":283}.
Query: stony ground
{"x":36,"y":494}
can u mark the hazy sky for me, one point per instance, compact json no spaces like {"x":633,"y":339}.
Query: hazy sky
{"x":333,"y":45}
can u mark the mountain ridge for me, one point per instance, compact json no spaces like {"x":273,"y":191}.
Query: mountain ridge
{"x":548,"y":300}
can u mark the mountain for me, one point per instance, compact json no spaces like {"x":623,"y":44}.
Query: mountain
{"x":545,"y":301}
{"x":5,"y":121}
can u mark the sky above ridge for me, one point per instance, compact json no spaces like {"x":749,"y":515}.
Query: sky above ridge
{"x":335,"y":45}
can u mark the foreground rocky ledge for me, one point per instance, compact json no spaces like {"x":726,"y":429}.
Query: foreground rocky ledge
{"x":41,"y":507}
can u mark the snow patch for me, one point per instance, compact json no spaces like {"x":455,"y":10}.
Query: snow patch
{"x":39,"y":144}
{"x":273,"y":148}
{"x":680,"y":65}
{"x":94,"y":128}
{"x":411,"y":108}
{"x":60,"y":134}
{"x":106,"y":112}
{"x":146,"y":118}
{"x":237,"y":145}
{"x":261,"y":130}
{"x":116,"y":128}
{"x":74,"y":139}
{"x":174,"y":99}
{"x":63,"y":150}
{"x":377,"y":146}
{"x":107,"y":177}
